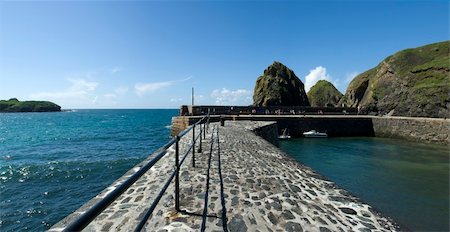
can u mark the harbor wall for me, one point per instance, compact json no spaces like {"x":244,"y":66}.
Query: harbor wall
{"x":268,"y":132}
{"x":427,"y":130}
{"x":263,"y":189}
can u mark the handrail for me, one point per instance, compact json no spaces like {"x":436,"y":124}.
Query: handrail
{"x":222,"y":194}
{"x":205,"y":207}
{"x":87,"y":217}
{"x":166,"y":185}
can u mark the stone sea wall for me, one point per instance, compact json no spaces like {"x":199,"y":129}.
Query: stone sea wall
{"x":263,"y":190}
{"x":268,"y":132}
{"x":426,"y":130}
{"x":429,"y":130}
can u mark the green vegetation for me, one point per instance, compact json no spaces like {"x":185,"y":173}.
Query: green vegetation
{"x":279,"y":86}
{"x":412,"y":82}
{"x":324,"y":94}
{"x":14,"y":105}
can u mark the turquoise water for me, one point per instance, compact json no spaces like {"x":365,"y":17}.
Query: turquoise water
{"x":52,"y":163}
{"x":406,"y":181}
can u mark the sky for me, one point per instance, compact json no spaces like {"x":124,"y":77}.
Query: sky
{"x":149,"y":54}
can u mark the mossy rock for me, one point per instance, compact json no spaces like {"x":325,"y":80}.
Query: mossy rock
{"x":324,"y":94}
{"x":279,"y":86}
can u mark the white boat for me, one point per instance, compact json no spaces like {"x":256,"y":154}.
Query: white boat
{"x":285,"y":135}
{"x":315,"y":134}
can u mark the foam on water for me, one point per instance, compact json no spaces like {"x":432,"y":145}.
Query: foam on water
{"x":52,"y":163}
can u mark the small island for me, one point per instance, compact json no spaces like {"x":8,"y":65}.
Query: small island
{"x":14,"y":105}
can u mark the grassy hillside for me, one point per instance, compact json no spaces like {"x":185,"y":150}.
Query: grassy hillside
{"x":14,"y":105}
{"x":411,"y":82}
{"x":323,"y":93}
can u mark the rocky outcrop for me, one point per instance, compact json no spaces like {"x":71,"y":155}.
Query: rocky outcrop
{"x":14,"y":105}
{"x":413,"y":82}
{"x":324,"y":94}
{"x":279,"y":86}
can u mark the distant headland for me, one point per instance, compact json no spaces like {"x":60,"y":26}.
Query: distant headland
{"x":14,"y":105}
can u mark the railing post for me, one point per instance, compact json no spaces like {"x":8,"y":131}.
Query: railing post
{"x":193,"y":146}
{"x":204,"y":130}
{"x":200,"y":145}
{"x":177,"y":176}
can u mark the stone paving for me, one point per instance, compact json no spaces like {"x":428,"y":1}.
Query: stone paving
{"x":264,"y":189}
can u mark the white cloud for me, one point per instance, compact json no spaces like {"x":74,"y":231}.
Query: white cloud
{"x":232,"y":97}
{"x":121,"y":90}
{"x":79,"y":89}
{"x":319,"y":73}
{"x":116,"y":70}
{"x":176,"y":99}
{"x":109,"y":95}
{"x":83,"y":93}
{"x":94,"y":102}
{"x":143,"y":88}
{"x":82,"y":84}
{"x":198,"y":99}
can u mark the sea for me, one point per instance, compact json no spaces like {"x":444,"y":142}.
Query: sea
{"x":406,"y":181}
{"x":52,"y":163}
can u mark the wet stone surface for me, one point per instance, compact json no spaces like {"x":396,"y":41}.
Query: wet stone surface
{"x":264,"y":189}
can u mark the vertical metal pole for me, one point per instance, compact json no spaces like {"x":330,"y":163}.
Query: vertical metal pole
{"x":204,"y":130}
{"x":200,"y":145}
{"x":192,"y":96}
{"x":193,"y":146}
{"x":177,"y":176}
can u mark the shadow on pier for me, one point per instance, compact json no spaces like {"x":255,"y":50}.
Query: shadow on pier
{"x":206,"y":164}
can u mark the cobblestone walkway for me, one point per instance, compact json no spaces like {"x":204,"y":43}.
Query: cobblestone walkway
{"x":264,"y":190}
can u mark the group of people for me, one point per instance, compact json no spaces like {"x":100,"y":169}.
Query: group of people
{"x":255,"y":111}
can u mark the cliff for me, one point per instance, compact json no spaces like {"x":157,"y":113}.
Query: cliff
{"x":413,"y":82}
{"x":324,"y":94}
{"x":279,"y":86}
{"x":14,"y":105}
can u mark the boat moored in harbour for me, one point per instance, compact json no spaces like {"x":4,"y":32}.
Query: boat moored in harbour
{"x":284,"y":135}
{"x":315,"y":134}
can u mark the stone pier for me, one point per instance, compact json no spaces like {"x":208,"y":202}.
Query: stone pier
{"x":263,"y":188}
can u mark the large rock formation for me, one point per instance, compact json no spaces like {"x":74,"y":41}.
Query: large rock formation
{"x":14,"y":105}
{"x":324,"y":94}
{"x":412,"y":82}
{"x":279,"y":86}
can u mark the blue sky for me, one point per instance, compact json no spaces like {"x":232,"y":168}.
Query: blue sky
{"x":148,"y":54}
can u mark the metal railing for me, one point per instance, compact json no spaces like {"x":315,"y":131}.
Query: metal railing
{"x":222,"y":194}
{"x":87,"y":217}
